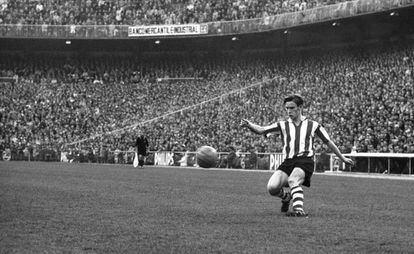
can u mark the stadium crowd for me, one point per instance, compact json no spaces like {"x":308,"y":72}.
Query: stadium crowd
{"x":363,"y":96}
{"x":133,"y":12}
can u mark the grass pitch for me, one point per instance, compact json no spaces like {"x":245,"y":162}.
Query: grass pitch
{"x":93,"y":208}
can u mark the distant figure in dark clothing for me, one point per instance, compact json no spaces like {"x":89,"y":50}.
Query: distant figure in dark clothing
{"x":142,"y":145}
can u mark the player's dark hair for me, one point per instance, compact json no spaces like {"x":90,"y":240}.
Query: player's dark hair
{"x":296,"y":98}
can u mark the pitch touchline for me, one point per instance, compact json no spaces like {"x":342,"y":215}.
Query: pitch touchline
{"x":345,"y":174}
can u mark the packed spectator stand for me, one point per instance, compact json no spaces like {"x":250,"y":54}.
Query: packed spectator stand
{"x":88,"y":102}
{"x":129,"y":12}
{"x":364,"y":97}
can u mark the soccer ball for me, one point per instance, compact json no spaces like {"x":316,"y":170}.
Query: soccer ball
{"x":207,"y":157}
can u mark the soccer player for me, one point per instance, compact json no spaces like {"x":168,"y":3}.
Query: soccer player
{"x":142,"y":145}
{"x":298,"y":134}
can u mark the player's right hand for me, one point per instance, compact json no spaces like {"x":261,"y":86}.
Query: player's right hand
{"x":244,"y":123}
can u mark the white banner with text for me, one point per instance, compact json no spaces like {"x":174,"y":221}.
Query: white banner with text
{"x":167,"y":30}
{"x":275,"y":160}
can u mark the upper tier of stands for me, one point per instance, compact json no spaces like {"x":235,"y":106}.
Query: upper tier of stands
{"x":145,"y":12}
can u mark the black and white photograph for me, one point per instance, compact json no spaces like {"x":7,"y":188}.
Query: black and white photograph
{"x":222,"y":126}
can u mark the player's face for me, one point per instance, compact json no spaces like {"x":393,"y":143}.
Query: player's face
{"x":292,"y":110}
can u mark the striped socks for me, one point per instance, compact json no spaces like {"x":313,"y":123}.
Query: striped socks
{"x":297,"y":196}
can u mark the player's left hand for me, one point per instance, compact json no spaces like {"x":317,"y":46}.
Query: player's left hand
{"x":349,"y":161}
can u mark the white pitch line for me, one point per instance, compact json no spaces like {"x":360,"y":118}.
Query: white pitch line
{"x":328,"y":173}
{"x":369,"y":175}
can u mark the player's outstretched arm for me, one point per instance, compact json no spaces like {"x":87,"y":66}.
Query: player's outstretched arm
{"x":338,"y":153}
{"x":253,"y":127}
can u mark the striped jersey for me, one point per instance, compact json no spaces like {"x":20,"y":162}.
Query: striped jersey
{"x":298,"y":140}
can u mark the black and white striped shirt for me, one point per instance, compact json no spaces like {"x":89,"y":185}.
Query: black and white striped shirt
{"x":298,"y":140}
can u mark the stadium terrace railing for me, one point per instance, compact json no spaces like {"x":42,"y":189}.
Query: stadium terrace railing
{"x":281,"y":21}
{"x":384,"y":163}
{"x":263,"y":161}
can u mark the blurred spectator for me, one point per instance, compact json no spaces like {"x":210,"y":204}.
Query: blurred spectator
{"x":232,"y":158}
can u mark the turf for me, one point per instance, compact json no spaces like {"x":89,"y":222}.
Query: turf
{"x":92,"y":208}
